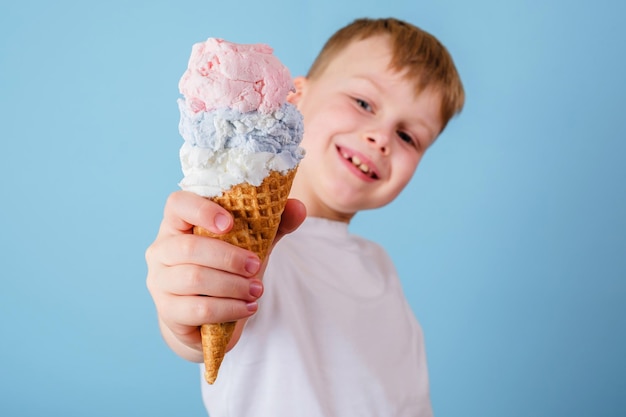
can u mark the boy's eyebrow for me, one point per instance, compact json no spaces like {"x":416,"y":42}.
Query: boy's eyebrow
{"x":421,"y":123}
{"x":369,"y":80}
{"x":432,"y":132}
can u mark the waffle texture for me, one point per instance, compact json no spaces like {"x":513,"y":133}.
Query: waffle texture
{"x":256,"y":211}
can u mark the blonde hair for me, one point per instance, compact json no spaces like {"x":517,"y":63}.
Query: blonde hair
{"x":426,"y":61}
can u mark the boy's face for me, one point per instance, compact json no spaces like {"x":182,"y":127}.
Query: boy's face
{"x":365,"y":131}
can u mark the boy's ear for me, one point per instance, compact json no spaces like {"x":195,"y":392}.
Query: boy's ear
{"x":300,"y":84}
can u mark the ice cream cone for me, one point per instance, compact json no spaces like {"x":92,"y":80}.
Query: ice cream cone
{"x":256,"y":211}
{"x":239,"y":130}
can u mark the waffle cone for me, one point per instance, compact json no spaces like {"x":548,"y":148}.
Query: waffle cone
{"x":256,"y":211}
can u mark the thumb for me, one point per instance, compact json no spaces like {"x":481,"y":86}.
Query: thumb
{"x":292,"y":217}
{"x":183,"y":210}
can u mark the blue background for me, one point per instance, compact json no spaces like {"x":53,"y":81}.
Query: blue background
{"x":510,"y":240}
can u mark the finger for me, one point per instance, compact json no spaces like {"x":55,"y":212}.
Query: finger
{"x":202,"y":251}
{"x":194,"y":280}
{"x":292,"y":217}
{"x":183,"y":210}
{"x":179,"y":312}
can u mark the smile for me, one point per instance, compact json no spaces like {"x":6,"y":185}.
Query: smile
{"x":358,"y":163}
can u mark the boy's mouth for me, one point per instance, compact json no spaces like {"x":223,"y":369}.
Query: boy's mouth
{"x":358,"y":163}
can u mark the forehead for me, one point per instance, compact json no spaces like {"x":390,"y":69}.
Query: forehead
{"x":375,"y":50}
{"x":371,"y":58}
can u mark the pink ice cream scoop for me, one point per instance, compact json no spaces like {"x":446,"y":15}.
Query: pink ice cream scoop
{"x":242,"y":77}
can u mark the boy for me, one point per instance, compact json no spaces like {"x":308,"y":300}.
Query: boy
{"x":333,"y":335}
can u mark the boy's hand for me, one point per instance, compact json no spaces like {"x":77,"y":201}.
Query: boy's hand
{"x":195,"y":280}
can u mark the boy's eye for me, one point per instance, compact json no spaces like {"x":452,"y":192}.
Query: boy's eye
{"x":405,"y":137}
{"x":363,"y":104}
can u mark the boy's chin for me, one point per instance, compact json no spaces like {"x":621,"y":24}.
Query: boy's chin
{"x":349,"y":211}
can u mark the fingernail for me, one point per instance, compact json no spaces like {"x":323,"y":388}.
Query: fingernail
{"x":253,"y":306}
{"x":256,"y":289}
{"x":221,"y":222}
{"x":252,"y":265}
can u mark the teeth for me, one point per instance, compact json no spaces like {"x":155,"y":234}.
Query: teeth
{"x":356,"y":161}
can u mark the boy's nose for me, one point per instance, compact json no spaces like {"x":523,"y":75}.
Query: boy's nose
{"x":381,"y":141}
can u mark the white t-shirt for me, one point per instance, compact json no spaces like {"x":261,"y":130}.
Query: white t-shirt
{"x":333,"y":336}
